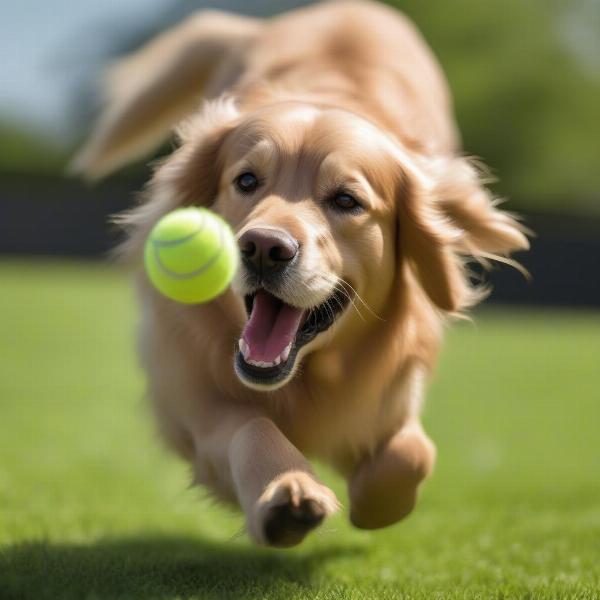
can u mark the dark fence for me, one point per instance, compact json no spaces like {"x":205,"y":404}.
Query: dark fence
{"x":61,"y":217}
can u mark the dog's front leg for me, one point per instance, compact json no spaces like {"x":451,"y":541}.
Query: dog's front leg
{"x":275,"y":485}
{"x":383,"y":488}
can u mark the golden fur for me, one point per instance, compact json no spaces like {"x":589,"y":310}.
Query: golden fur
{"x":338,"y":93}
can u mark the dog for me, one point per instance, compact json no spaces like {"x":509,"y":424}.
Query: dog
{"x":325,"y":137}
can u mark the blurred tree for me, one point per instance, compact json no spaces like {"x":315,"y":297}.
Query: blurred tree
{"x":526,"y":103}
{"x":26,"y":150}
{"x":525,"y":76}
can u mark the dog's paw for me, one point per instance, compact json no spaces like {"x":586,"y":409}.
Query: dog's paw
{"x":289,"y":508}
{"x":384,"y":488}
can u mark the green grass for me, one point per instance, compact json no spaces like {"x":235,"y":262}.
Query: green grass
{"x":92,"y":507}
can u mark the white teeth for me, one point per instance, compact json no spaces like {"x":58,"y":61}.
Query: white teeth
{"x":284,"y":355}
{"x":244,"y":348}
{"x":259,"y":363}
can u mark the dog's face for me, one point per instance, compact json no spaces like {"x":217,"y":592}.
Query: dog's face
{"x":305,"y":191}
{"x":327,"y":209}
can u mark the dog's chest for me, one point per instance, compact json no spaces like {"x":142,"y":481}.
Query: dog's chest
{"x":346,"y":422}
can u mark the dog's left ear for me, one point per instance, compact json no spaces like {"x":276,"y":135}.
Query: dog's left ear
{"x":446,"y":214}
{"x":485,"y":231}
{"x":427,"y":241}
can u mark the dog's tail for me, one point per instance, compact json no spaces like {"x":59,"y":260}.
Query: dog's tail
{"x":148,"y":92}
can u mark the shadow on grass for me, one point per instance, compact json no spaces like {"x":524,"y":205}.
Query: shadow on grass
{"x":155,"y":568}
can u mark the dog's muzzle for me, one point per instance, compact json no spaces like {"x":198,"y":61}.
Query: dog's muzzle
{"x":267,"y":252}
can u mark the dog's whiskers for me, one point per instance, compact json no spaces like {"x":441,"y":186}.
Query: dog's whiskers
{"x":350,"y":292}
{"x":351,"y":296}
{"x":350,"y":300}
{"x":329,"y":309}
{"x":312,"y":280}
{"x":338,"y":285}
{"x":343,"y":282}
{"x":338,"y":300}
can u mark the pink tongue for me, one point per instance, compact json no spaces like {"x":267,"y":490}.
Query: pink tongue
{"x":271,"y":327}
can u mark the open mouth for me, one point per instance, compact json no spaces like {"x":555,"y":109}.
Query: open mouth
{"x":275,"y":331}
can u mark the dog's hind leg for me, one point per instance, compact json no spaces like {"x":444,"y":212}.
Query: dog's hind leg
{"x":383,"y":488}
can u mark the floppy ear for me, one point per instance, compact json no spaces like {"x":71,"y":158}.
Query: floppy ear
{"x":190,"y":175}
{"x":485,"y":231}
{"x":427,"y":239}
{"x":447,"y":215}
{"x":152,"y":89}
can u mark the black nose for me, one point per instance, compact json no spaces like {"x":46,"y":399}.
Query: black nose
{"x":265,"y":251}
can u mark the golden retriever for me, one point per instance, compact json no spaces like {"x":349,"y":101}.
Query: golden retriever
{"x":327,"y":141}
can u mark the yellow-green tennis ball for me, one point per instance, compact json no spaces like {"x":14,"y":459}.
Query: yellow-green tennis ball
{"x":191,"y":255}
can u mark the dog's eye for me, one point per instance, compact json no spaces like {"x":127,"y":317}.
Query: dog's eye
{"x":346,"y":202}
{"x":247,"y":182}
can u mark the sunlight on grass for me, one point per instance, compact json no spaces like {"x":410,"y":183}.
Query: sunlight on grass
{"x":91,"y":505}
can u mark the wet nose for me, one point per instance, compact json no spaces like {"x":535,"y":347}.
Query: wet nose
{"x":267,"y":250}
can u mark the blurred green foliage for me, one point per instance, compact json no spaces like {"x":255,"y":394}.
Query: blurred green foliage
{"x":23,"y":149}
{"x":527,"y":101}
{"x":525,"y":75}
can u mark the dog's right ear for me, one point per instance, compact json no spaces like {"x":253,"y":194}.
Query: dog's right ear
{"x":148,"y":92}
{"x":188,"y":176}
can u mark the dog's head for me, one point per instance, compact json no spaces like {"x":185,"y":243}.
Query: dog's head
{"x":333,"y":218}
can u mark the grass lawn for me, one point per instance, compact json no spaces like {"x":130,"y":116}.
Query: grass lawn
{"x":92,"y":507}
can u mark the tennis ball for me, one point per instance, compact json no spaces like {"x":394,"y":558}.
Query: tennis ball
{"x":191,"y":255}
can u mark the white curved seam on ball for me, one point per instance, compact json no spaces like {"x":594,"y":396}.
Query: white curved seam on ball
{"x":209,"y":263}
{"x":181,"y":240}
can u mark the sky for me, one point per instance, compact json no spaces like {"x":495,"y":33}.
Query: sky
{"x":43,"y":46}
{"x":46,"y":45}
